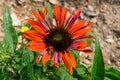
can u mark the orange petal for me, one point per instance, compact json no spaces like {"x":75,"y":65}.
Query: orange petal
{"x":33,"y":35}
{"x":46,"y":10}
{"x":38,"y":59}
{"x":77,"y":13}
{"x":60,"y":58}
{"x":57,"y":13}
{"x":77,"y":26}
{"x":45,"y":58}
{"x":56,"y":65}
{"x":82,"y":43}
{"x":81,"y":48}
{"x":34,"y":43}
{"x":52,"y":62}
{"x":63,"y":16}
{"x":41,"y":14}
{"x":81,"y":32}
{"x":36,"y":26}
{"x":67,"y":63}
{"x":38,"y":16}
{"x":72,"y":60}
{"x":90,"y":23}
{"x":37,"y":47}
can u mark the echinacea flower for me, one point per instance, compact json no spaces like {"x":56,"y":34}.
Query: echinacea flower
{"x":54,"y":39}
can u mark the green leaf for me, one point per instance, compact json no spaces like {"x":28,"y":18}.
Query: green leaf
{"x":112,"y":73}
{"x":63,"y":74}
{"x":27,"y":57}
{"x":107,"y":78}
{"x":48,"y":6}
{"x":10,"y":38}
{"x":81,"y":72}
{"x":27,"y":73}
{"x":1,"y":47}
{"x":98,"y":71}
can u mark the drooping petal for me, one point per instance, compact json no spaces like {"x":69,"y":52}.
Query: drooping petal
{"x":36,"y":26}
{"x":72,"y":60}
{"x":87,"y":51}
{"x":81,"y":32}
{"x":60,"y":58}
{"x":33,"y":35}
{"x":38,"y":59}
{"x":35,"y":46}
{"x":54,"y":60}
{"x":67,"y":63}
{"x":40,"y":56}
{"x":45,"y":58}
{"x":76,"y":26}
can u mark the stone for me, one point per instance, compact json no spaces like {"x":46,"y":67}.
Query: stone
{"x":16,"y":21}
{"x":109,"y":40}
{"x":38,"y":0}
{"x":53,"y":1}
{"x":90,"y":12}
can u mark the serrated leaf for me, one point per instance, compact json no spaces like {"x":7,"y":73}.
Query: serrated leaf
{"x":10,"y":38}
{"x":98,"y":71}
{"x":50,"y":13}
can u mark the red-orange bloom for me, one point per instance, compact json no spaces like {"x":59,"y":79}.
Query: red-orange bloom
{"x":54,"y":40}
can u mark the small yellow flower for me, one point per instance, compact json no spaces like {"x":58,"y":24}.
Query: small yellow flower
{"x":24,"y":28}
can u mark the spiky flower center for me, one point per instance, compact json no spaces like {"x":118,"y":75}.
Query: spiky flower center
{"x":59,"y":38}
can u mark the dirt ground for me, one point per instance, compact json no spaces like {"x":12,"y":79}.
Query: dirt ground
{"x":106,"y":16}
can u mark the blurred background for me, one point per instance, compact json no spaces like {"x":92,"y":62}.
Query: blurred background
{"x":105,"y":14}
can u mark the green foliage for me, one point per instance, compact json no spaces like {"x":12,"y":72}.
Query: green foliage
{"x":19,"y":64}
{"x":27,"y":57}
{"x":50,"y":13}
{"x":27,"y":73}
{"x":98,"y":71}
{"x":112,"y":73}
{"x":10,"y":38}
